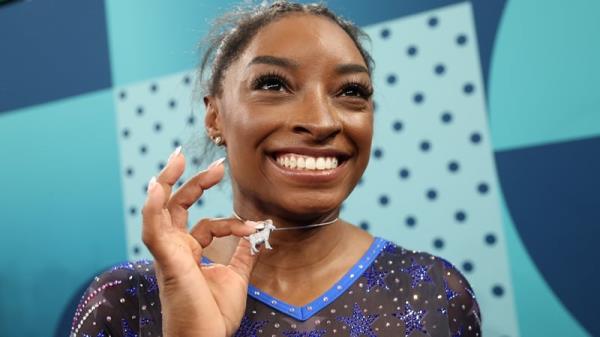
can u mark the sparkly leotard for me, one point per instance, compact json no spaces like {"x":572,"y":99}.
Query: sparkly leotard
{"x":390,"y":291}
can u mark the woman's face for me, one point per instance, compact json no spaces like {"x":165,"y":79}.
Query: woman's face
{"x":299,"y":95}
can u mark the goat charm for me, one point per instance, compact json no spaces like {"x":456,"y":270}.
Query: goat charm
{"x":264,"y":229}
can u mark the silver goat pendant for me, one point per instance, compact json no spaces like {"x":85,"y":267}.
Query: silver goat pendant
{"x":261,"y":236}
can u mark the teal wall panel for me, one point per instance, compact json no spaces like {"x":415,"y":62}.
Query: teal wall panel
{"x":153,"y":38}
{"x":61,"y":208}
{"x":544,"y":74}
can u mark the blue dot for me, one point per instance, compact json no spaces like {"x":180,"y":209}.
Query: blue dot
{"x":475,"y":137}
{"x":196,"y":161}
{"x":461,"y":39}
{"x":364,"y":225}
{"x":136,"y":249}
{"x":404,"y":173}
{"x":176,"y":143}
{"x":498,"y":290}
{"x":384,"y":200}
{"x":432,"y":22}
{"x":145,"y":188}
{"x":483,"y":188}
{"x":378,"y":153}
{"x":191,"y":120}
{"x":438,"y":243}
{"x":468,"y":88}
{"x":453,"y":166}
{"x":431,"y":194}
{"x":418,"y":98}
{"x":122,"y":94}
{"x":140,"y":110}
{"x":385,"y":33}
{"x":467,"y":266}
{"x":199,"y":203}
{"x":172,"y":104}
{"x":410,"y":221}
{"x":342,"y":206}
{"x":125,"y":133}
{"x":374,"y":106}
{"x":460,"y":216}
{"x":391,"y":79}
{"x":439,"y":69}
{"x":154,"y":87}
{"x":179,"y":183}
{"x":397,"y":126}
{"x":446,"y":117}
{"x":411,"y":50}
{"x":129,"y":171}
{"x":132,"y":210}
{"x":143,"y":149}
{"x":490,"y":239}
{"x":425,"y":146}
{"x":157,"y":127}
{"x":186,"y":79}
{"x":161,"y":165}
{"x":361,"y":181}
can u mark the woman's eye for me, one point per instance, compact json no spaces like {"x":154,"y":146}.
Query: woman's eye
{"x":269,"y":83}
{"x":356,"y":90}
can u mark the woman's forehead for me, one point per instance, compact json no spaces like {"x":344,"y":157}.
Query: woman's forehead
{"x":303,"y":37}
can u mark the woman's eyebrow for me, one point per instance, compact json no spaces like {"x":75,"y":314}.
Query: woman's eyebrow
{"x":350,"y":68}
{"x":274,"y":60}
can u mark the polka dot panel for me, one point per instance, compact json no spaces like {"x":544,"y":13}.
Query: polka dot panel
{"x":431,"y":139}
{"x":154,"y":118}
{"x":437,"y":173}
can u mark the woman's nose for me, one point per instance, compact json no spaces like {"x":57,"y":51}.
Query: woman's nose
{"x":318,"y":118}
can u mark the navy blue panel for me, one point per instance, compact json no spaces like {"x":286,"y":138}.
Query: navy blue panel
{"x":51,"y":50}
{"x":487,"y":15}
{"x":553,"y":194}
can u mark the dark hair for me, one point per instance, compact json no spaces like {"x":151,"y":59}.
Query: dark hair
{"x":232,"y":32}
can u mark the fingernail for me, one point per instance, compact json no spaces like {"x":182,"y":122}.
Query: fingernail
{"x":174,"y":154}
{"x":151,"y":184}
{"x":254,"y":224}
{"x":216,"y":162}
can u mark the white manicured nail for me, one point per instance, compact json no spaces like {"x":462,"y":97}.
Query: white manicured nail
{"x":174,"y":154}
{"x":151,"y":183}
{"x":216,"y":162}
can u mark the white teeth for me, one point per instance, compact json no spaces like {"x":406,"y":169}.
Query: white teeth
{"x":300,"y":162}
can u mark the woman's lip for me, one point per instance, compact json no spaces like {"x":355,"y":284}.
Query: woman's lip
{"x":309,"y":176}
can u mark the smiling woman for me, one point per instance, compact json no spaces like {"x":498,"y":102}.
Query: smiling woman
{"x":289,"y":98}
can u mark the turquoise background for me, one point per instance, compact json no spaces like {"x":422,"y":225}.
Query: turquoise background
{"x":62,"y":209}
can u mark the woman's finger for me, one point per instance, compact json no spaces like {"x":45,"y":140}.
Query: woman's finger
{"x":242,"y":261}
{"x":206,"y":229}
{"x":192,"y":190}
{"x":171,"y":172}
{"x":153,"y":213}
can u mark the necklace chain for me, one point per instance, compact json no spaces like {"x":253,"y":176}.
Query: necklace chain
{"x":296,"y":227}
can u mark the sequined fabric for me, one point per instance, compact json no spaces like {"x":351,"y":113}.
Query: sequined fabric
{"x":389,"y":292}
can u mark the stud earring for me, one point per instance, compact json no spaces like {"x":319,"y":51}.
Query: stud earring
{"x":218,"y":140}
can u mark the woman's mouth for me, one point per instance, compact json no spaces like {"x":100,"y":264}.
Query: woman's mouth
{"x":300,"y":162}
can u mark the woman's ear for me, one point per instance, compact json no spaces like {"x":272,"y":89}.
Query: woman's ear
{"x":212,"y":119}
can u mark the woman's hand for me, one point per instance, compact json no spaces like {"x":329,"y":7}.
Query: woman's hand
{"x":196,"y":300}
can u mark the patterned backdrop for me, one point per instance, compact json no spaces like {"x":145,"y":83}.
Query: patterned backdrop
{"x":458,"y":167}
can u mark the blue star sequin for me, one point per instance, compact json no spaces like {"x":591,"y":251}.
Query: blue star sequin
{"x":127,"y":331}
{"x":100,"y":334}
{"x":124,"y":265}
{"x":144,"y":321}
{"x":413,"y":319}
{"x":418,"y":273}
{"x":375,"y":278}
{"x":248,"y":328}
{"x":313,"y":333}
{"x":443,"y":311}
{"x":359,"y":324}
{"x":131,"y":291}
{"x":458,"y":333}
{"x":152,"y":282}
{"x":391,"y":248}
{"x":450,"y":294}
